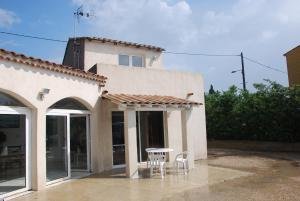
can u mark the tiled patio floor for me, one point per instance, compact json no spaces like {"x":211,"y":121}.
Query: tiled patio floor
{"x":113,"y":186}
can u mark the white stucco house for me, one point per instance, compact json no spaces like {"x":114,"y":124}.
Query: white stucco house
{"x":99,"y":110}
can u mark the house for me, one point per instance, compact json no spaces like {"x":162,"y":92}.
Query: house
{"x":99,"y":110}
{"x":293,"y":65}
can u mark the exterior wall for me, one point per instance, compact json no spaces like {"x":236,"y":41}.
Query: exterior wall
{"x":73,"y":57}
{"x":24,"y":83}
{"x":163,"y":82}
{"x":107,"y":54}
{"x":293,"y":65}
{"x":174,"y":133}
{"x":105,"y":124}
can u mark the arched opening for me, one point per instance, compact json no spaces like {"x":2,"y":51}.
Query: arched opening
{"x":68,"y":103}
{"x":7,"y":100}
{"x":67,"y":140}
{"x":14,"y":146}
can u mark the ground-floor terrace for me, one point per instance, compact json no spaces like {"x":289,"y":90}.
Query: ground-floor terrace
{"x":225,"y":175}
{"x":123,"y":132}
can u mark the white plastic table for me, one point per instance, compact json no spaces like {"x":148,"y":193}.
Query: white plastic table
{"x":159,"y":150}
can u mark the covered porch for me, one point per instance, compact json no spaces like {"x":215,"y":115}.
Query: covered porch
{"x":147,"y":121}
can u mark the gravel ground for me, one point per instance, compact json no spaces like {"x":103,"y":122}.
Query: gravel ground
{"x":276,"y":176}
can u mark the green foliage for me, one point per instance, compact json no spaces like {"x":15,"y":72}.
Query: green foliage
{"x":272,"y":113}
{"x":211,"y":90}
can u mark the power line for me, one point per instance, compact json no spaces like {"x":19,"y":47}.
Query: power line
{"x":202,"y":54}
{"x":33,"y":37}
{"x":226,"y":55}
{"x":165,"y":52}
{"x":263,"y":65}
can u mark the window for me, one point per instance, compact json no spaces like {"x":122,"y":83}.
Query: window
{"x":137,"y":61}
{"x":68,"y":103}
{"x":124,"y":60}
{"x":129,"y":60}
{"x":7,"y":100}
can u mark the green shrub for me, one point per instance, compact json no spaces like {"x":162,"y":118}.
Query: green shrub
{"x":272,"y":113}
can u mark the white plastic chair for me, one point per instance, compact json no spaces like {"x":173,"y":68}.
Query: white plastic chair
{"x":156,"y":161}
{"x":182,"y":159}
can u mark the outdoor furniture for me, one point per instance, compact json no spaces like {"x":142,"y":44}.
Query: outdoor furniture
{"x":182,"y":159}
{"x":157,"y":159}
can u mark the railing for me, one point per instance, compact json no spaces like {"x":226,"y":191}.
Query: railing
{"x":118,"y":154}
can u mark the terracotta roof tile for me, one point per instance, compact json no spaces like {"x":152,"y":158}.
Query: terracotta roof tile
{"x":116,"y":42}
{"x":147,"y":99}
{"x":39,"y":63}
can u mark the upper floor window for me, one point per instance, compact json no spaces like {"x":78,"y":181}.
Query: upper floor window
{"x":123,"y":60}
{"x":137,"y":61}
{"x":130,"y":60}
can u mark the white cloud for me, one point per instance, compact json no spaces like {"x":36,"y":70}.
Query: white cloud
{"x":157,"y":21}
{"x":7,"y":18}
{"x":268,"y":35}
{"x":263,"y":29}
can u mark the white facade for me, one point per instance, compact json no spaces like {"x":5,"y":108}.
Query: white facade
{"x":96,"y":52}
{"x":184,"y":129}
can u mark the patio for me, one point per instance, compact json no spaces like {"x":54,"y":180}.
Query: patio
{"x":114,"y":185}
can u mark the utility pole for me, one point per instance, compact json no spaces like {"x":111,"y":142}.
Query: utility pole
{"x":243,"y":71}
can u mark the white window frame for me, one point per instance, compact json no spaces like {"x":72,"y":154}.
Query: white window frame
{"x":143,"y":61}
{"x":88,"y":141}
{"x":68,"y":113}
{"x":22,"y":111}
{"x":121,"y":165}
{"x":130,"y":60}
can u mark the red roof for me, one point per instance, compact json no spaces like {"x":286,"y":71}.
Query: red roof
{"x":43,"y":64}
{"x":148,"y":99}
{"x":119,"y":42}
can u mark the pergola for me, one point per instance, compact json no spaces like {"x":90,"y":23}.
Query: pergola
{"x":132,"y":103}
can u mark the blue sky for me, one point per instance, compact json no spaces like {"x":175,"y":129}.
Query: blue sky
{"x":263,"y":29}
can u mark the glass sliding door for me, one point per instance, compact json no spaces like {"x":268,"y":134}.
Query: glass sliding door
{"x":57,"y":147}
{"x":118,"y":138}
{"x":79,"y":142}
{"x":13,"y":152}
{"x":150,"y":132}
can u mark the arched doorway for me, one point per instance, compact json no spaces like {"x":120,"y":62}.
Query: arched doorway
{"x":14,"y":146}
{"x":67,"y":140}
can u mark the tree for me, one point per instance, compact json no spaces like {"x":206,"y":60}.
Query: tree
{"x":211,"y":90}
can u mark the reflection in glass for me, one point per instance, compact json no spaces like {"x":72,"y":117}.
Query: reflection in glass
{"x":118,"y":138}
{"x":150,"y":132}
{"x":7,"y":100}
{"x":56,"y":147}
{"x":12,"y":152}
{"x":137,"y":61}
{"x":124,"y":60}
{"x":78,"y":136}
{"x":68,"y":103}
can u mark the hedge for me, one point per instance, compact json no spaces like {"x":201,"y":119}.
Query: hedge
{"x":271,"y":113}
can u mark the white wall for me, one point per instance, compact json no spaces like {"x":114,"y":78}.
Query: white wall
{"x":163,"y":82}
{"x":107,"y":53}
{"x":24,"y":83}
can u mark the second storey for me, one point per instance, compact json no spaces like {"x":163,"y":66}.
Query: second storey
{"x":85,"y":52}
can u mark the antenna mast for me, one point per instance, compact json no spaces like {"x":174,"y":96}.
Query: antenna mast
{"x":76,"y":45}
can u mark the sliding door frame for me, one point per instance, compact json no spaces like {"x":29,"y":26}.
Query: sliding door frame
{"x":68,"y":114}
{"x":68,"y":147}
{"x":28,"y":161}
{"x":88,"y":141}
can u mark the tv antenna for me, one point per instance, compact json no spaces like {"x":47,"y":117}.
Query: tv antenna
{"x":78,"y":14}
